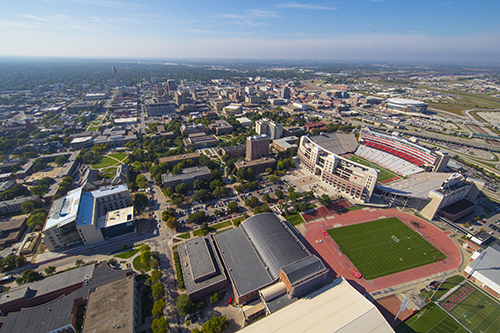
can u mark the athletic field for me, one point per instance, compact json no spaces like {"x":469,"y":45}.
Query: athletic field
{"x":384,"y":174}
{"x":466,"y":309}
{"x":474,"y":309}
{"x":384,"y":247}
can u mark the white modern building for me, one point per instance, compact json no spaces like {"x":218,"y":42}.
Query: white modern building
{"x":483,"y":271}
{"x":89,"y":217}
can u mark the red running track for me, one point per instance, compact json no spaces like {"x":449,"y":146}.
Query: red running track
{"x":340,"y":265}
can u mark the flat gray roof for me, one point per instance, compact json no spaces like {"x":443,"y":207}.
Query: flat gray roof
{"x":337,"y":143}
{"x":186,"y":174}
{"x":417,"y":185}
{"x":200,"y":262}
{"x":203,"y":264}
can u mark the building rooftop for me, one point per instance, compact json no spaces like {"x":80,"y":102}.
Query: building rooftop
{"x":337,"y":307}
{"x":203,"y":266}
{"x":181,"y":157}
{"x":255,"y":252}
{"x":303,"y":268}
{"x":48,"y":284}
{"x":487,"y":264}
{"x":64,"y":210}
{"x":110,"y":307}
{"x":186,"y":173}
{"x":119,"y":216}
{"x":337,"y":143}
{"x":417,"y":185}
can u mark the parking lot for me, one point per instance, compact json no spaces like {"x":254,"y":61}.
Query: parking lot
{"x":209,"y":207}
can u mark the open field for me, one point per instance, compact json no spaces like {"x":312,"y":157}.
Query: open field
{"x":384,"y":174}
{"x":119,"y":156}
{"x":103,"y":162}
{"x":138,"y":265}
{"x":465,"y":309}
{"x":384,"y":247}
{"x":430,"y":319}
{"x":474,"y":309}
{"x":294,"y":219}
{"x":466,"y":100}
{"x":184,"y":236}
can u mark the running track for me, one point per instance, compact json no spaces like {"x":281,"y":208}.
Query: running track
{"x":339,"y":264}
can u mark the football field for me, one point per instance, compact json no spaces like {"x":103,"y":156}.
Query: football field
{"x":384,"y":247}
{"x":474,"y":309}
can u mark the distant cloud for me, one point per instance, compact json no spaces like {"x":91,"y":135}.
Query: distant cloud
{"x":305,"y":6}
{"x":219,"y":32}
{"x":260,"y":13}
{"x":33,"y":17}
{"x":445,"y":3}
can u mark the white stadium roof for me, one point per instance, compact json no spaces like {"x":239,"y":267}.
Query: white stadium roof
{"x":404,"y":101}
{"x":338,"y":307}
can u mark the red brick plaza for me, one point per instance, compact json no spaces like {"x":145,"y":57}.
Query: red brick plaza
{"x":340,"y":265}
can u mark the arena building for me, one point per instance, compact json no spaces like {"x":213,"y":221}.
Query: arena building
{"x":322,"y":156}
{"x":404,"y":105}
{"x":263,"y":250}
{"x":398,"y":154}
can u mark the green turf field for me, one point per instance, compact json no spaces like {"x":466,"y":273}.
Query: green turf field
{"x":384,"y":247}
{"x":430,"y":319}
{"x":384,"y":174}
{"x":477,"y":311}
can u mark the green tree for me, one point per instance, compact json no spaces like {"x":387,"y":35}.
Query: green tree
{"x":172,"y":223}
{"x":156,"y":275}
{"x":266,"y":197}
{"x":158,"y":291}
{"x":145,"y":257}
{"x":184,"y":305}
{"x":325,"y":200}
{"x":292,"y":196}
{"x":29,"y":205}
{"x":233,"y":206}
{"x":181,"y":188}
{"x":79,"y":263}
{"x":160,"y":325}
{"x":215,"y":298}
{"x":279,"y":194}
{"x":50,"y":270}
{"x":200,"y":195}
{"x":158,"y":308}
{"x":60,"y":160}
{"x":216,"y":324}
{"x":37,"y":220}
{"x":140,"y":200}
{"x":31,"y":276}
{"x":141,"y":181}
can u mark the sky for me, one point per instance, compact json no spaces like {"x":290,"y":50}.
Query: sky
{"x":348,"y":30}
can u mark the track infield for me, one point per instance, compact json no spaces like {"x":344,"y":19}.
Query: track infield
{"x":383,"y":247}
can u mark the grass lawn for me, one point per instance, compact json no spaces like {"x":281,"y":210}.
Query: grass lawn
{"x":384,"y":174}
{"x":109,"y":172}
{"x":103,"y":162}
{"x":221,"y":225}
{"x":199,"y":232}
{"x":184,"y":236}
{"x":294,"y":219}
{"x":138,"y":265}
{"x":218,"y":232}
{"x":126,"y":255}
{"x":430,"y":319}
{"x":118,"y":156}
{"x":384,"y":247}
{"x":92,"y":129}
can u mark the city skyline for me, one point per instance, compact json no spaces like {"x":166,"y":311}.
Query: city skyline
{"x":344,"y":30}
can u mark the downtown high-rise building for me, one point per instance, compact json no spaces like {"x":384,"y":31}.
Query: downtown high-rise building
{"x":269,"y":127}
{"x":257,"y":147}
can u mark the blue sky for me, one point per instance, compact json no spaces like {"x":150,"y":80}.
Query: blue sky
{"x":339,"y":30}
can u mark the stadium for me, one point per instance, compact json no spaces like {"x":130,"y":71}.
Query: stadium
{"x":404,"y":105}
{"x":322,"y":155}
{"x":399,"y":155}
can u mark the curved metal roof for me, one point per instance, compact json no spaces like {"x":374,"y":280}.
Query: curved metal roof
{"x":273,"y":242}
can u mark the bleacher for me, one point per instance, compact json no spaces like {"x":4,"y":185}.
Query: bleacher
{"x":392,"y":162}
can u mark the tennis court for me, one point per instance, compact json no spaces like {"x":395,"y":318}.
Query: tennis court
{"x":383,"y":247}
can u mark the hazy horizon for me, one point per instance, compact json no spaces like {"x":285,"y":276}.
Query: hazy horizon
{"x":361,"y":30}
